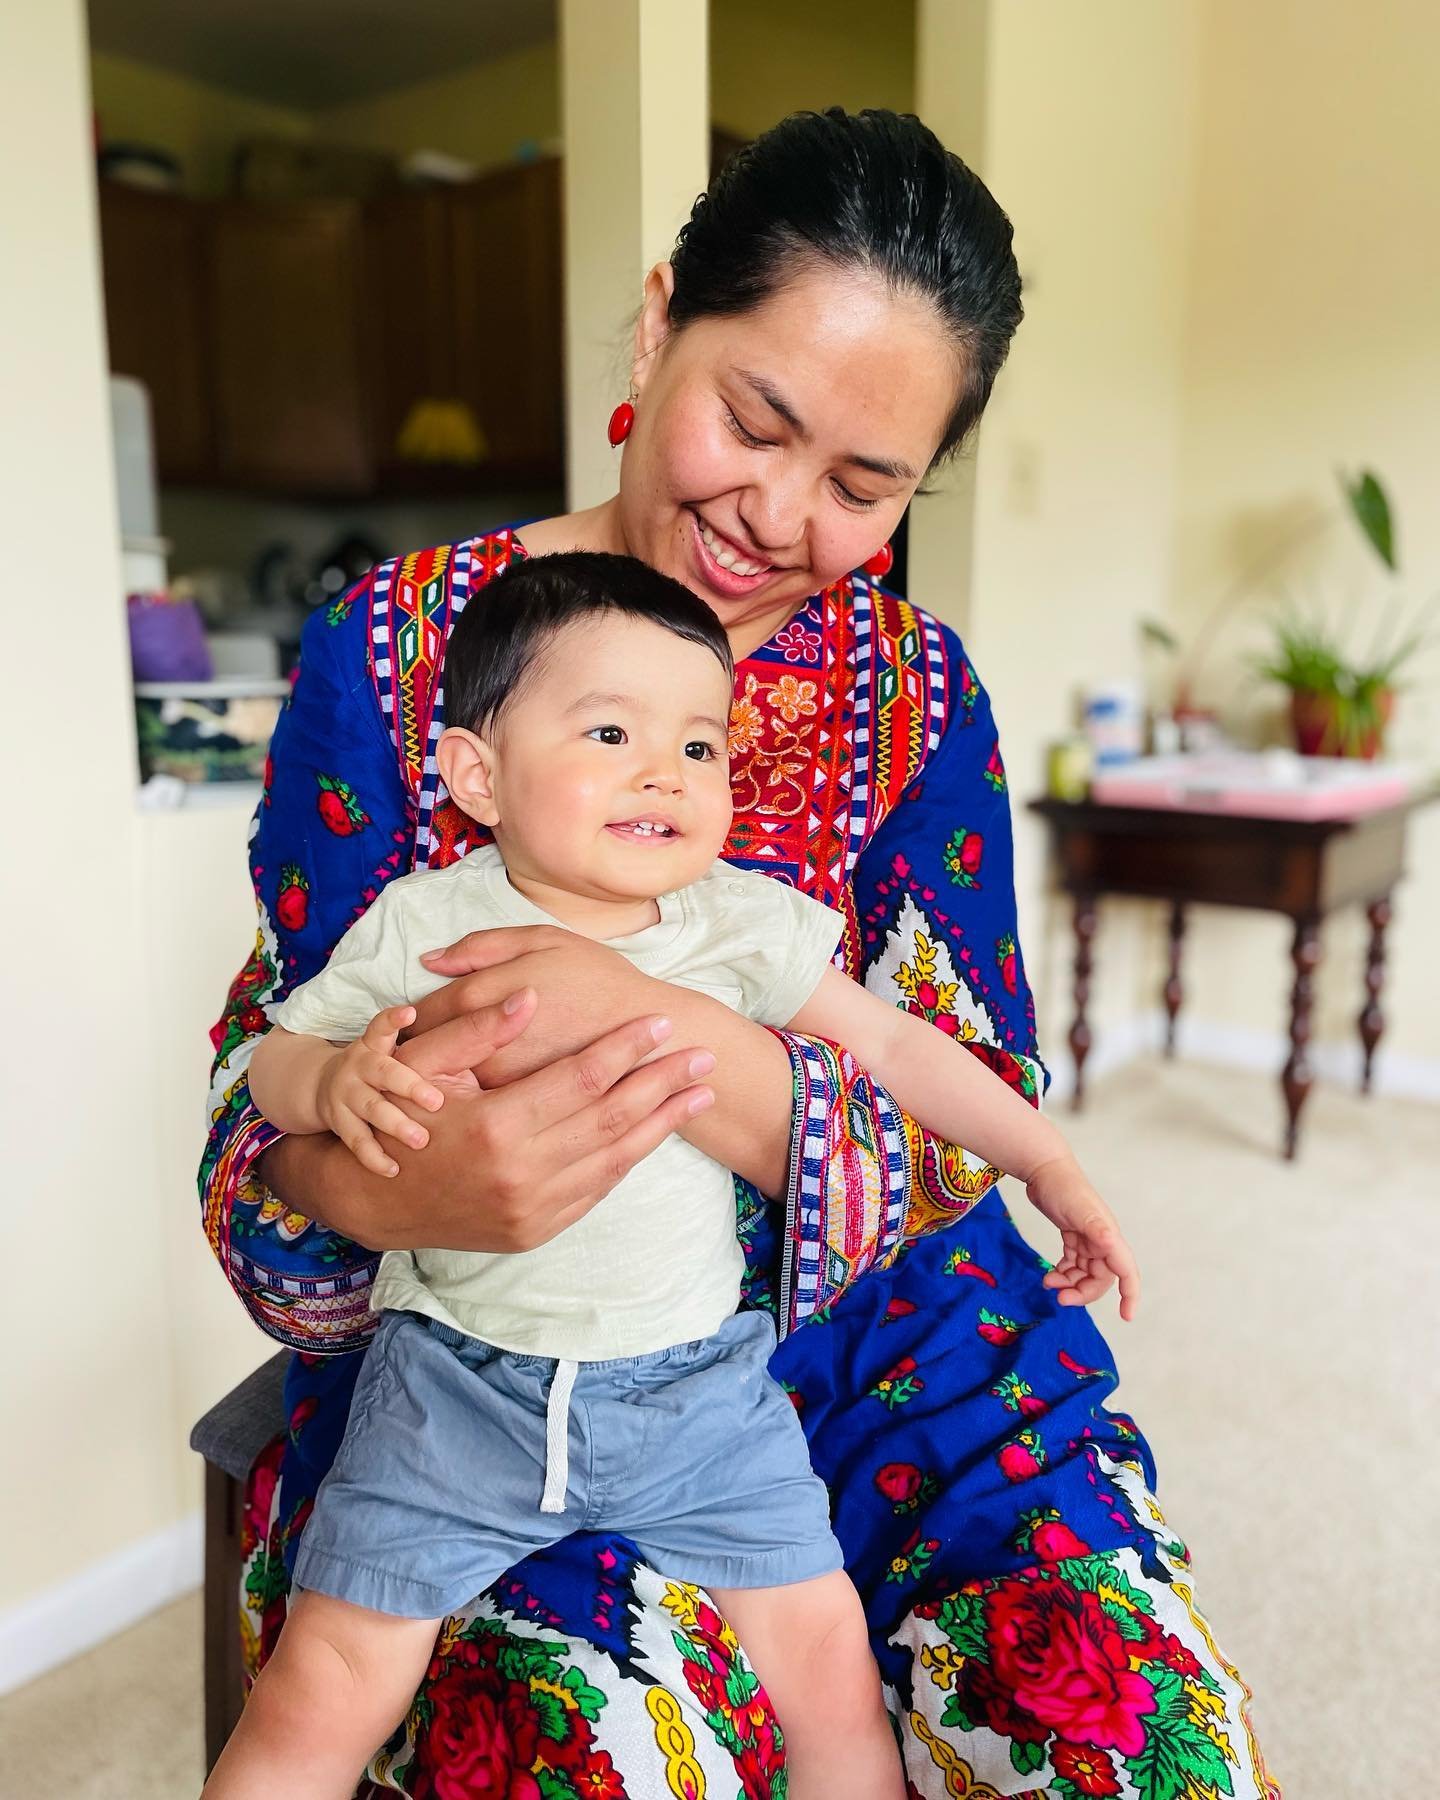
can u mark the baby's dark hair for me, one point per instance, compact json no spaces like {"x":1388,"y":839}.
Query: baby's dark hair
{"x":506,"y":626}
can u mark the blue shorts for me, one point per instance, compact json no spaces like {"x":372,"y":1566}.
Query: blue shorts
{"x":694,"y":1453}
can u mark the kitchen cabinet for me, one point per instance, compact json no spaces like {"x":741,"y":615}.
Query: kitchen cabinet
{"x":287,"y":344}
{"x":291,"y":381}
{"x":509,"y":326}
{"x":411,"y":313}
{"x":466,"y":306}
{"x":157,"y":318}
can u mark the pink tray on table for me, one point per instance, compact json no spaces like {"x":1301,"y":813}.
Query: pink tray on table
{"x":1274,"y":785}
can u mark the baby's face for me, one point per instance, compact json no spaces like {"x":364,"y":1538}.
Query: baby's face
{"x":610,"y":766}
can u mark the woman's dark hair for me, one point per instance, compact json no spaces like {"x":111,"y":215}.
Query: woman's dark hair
{"x":506,"y":626}
{"x":872,"y":190}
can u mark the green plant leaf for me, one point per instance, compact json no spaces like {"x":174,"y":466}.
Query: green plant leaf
{"x":1154,"y":632}
{"x":1027,"y":1758}
{"x":955,"y":1714}
{"x":1179,"y":1757}
{"x":550,"y":1713}
{"x":962,"y":1619}
{"x":590,"y":1700}
{"x":1371,"y":508}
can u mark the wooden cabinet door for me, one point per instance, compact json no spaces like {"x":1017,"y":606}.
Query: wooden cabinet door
{"x":152,"y":250}
{"x":288,"y":301}
{"x":410,"y":308}
{"x":507,"y":315}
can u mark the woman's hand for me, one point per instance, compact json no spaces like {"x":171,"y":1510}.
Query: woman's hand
{"x":583,"y":988}
{"x":510,"y":1167}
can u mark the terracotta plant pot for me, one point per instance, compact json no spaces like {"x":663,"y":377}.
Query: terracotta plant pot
{"x":1318,"y":724}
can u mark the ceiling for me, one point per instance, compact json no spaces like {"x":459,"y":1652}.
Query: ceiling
{"x":316,"y":53}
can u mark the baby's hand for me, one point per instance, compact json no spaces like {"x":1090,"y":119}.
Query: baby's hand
{"x":350,"y":1094}
{"x":1095,"y":1252}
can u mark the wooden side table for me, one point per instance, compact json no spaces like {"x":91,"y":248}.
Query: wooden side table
{"x":1306,"y":869}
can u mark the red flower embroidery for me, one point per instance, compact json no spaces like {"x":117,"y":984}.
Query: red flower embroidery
{"x":292,"y":902}
{"x":1011,"y":1070}
{"x":1058,"y":1663}
{"x":1052,"y":1541}
{"x":481,"y":1738}
{"x":1091,"y":1771}
{"x":902,"y":1484}
{"x":339,"y":806}
{"x":600,"y":1779}
{"x":963,"y":855}
{"x":1175,"y":1656}
{"x":1022,"y":1457}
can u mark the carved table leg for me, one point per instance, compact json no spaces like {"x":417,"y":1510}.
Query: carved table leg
{"x":1084,"y":963}
{"x":1372,"y":1020}
{"x":1297,"y":1078}
{"x":1173,"y":992}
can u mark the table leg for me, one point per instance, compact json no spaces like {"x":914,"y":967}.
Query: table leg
{"x":1372,"y":1020}
{"x":1296,"y":1080}
{"x":1173,"y":992}
{"x":1085,"y":922}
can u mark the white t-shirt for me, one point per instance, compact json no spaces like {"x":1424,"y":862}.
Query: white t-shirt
{"x":656,"y":1262}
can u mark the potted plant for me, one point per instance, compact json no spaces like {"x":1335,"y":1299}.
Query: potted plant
{"x":1340,"y":704}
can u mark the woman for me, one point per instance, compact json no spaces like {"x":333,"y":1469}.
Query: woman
{"x":829,"y":328}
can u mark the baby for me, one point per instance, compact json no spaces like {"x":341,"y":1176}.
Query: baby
{"x":604,"y":1381}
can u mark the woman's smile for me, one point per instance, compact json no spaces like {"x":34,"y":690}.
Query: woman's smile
{"x":721,"y":564}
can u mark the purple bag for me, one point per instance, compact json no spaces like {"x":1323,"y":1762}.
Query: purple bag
{"x":167,"y":639}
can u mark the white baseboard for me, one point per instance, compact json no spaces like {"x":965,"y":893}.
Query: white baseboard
{"x":1397,"y":1076}
{"x":1117,"y":1043}
{"x":107,"y":1597}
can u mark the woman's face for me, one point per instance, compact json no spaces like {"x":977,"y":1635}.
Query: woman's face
{"x":774,"y":451}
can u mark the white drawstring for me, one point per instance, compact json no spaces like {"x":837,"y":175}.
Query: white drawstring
{"x":557,"y":1437}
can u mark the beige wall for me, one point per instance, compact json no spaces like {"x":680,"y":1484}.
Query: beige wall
{"x":112,"y":1333}
{"x":772,"y":57}
{"x":1313,"y":342}
{"x":1075,"y":481}
{"x":636,"y":153}
{"x":483,"y":113}
{"x":199,"y":123}
{"x":78,"y":1341}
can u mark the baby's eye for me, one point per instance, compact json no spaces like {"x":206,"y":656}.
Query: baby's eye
{"x":608,"y":734}
{"x":699,"y":751}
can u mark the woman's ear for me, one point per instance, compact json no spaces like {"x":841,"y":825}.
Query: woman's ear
{"x":467,"y":767}
{"x":652,"y":327}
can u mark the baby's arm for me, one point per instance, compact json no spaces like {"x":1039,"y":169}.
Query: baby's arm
{"x":305,"y":1084}
{"x":954,"y":1095}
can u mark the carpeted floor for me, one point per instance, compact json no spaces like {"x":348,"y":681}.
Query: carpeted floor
{"x":1283,"y":1368}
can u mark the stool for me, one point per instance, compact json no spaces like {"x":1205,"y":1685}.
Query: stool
{"x":230,"y":1437}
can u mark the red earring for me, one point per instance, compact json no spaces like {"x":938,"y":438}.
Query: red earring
{"x":880,"y":563}
{"x":621,"y":421}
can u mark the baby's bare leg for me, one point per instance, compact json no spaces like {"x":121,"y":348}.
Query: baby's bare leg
{"x":336,"y":1687}
{"x":808,"y":1644}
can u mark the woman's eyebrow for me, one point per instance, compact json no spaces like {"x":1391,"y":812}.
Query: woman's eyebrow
{"x":888,"y":467}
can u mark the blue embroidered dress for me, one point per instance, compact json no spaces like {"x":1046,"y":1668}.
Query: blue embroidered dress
{"x":1031,"y":1613}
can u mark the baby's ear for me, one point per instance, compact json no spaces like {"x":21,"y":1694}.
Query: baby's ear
{"x":467,"y":767}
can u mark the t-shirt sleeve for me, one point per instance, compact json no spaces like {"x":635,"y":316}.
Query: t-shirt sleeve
{"x":365,"y":974}
{"x":789,"y":938}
